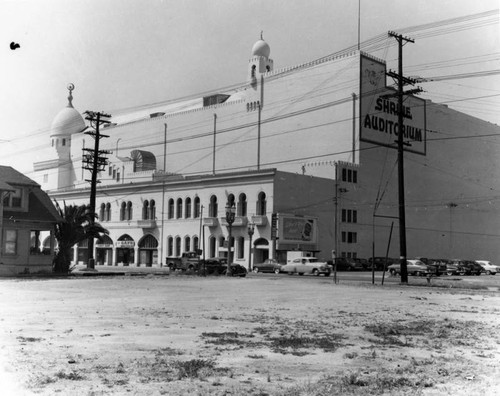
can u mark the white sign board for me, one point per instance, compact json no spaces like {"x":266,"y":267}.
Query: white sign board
{"x":379,"y":111}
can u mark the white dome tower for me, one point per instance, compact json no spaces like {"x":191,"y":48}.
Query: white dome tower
{"x":67,"y":122}
{"x":260,"y":62}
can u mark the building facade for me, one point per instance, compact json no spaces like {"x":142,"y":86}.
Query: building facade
{"x":324,"y":126}
{"x":26,"y":215}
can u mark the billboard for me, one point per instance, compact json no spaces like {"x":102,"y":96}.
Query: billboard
{"x":379,"y":111}
{"x":297,"y":230}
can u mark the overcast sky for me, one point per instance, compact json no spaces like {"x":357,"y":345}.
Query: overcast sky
{"x":129,"y":53}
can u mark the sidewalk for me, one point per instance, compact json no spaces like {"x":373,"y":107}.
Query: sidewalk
{"x":109,"y":270}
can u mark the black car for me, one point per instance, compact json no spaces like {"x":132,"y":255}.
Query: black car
{"x":473,"y":268}
{"x":348,"y":264}
{"x":218,"y":266}
{"x":381,"y":263}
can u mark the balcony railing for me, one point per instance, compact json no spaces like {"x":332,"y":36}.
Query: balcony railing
{"x":210,"y":221}
{"x":151,"y":223}
{"x":259,"y":220}
{"x":239,"y":221}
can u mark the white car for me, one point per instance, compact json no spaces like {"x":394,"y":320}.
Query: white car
{"x":489,"y":268}
{"x":306,"y":265}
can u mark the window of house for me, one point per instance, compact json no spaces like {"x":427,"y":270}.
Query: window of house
{"x":349,"y":216}
{"x":187,"y":244}
{"x":10,"y":242}
{"x":64,"y":142}
{"x":101,"y":212}
{"x":179,"y":208}
{"x":35,"y":243}
{"x":253,"y":70}
{"x":230,"y":200}
{"x":129,"y":210}
{"x":13,"y":199}
{"x":108,"y":212}
{"x":178,"y":246}
{"x":196,"y":243}
{"x":261,"y":204}
{"x":349,"y":175}
{"x":240,"y":247}
{"x":123,"y":208}
{"x":117,"y":176}
{"x":212,"y":246}
{"x":212,"y":208}
{"x":145,"y":210}
{"x":197,"y":207}
{"x":170,"y":246}
{"x":242,"y":205}
{"x":152,"y":209}
{"x":171,"y":208}
{"x":188,"y":208}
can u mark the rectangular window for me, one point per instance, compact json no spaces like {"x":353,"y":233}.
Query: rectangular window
{"x":352,"y":237}
{"x":14,"y":199}
{"x":349,"y":216}
{"x":344,"y":237}
{"x":35,"y":244}
{"x":344,"y":174}
{"x":10,"y":244}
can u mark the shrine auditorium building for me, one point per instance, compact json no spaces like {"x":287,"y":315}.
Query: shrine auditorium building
{"x":307,"y":147}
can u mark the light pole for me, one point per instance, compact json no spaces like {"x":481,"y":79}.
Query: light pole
{"x":251,"y":230}
{"x":230,"y":214}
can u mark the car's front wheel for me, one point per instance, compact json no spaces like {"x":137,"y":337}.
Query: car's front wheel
{"x":277,"y":271}
{"x":315,"y":272}
{"x":393,"y":272}
{"x":256,"y":270}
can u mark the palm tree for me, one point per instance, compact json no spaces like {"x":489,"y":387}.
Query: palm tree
{"x":79,"y":224}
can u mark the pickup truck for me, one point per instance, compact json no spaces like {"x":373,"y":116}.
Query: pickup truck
{"x":187,"y":261}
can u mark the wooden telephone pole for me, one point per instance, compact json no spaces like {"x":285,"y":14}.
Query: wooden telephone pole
{"x":95,"y":162}
{"x":401,"y":81}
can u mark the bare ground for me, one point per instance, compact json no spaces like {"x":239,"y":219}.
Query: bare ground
{"x":179,"y":335}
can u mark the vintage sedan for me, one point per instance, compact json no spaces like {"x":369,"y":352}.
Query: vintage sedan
{"x":414,"y":267}
{"x":306,"y":265}
{"x":269,"y":265}
{"x":218,"y":266}
{"x":489,"y":268}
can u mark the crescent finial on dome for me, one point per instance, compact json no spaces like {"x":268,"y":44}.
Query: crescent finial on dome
{"x":70,"y":87}
{"x":261,"y":33}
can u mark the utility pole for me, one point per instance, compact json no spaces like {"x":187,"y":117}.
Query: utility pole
{"x":95,"y":162}
{"x":401,"y":189}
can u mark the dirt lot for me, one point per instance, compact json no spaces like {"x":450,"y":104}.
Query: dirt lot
{"x":179,"y":335}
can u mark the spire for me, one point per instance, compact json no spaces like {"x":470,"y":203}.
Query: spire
{"x":70,"y":87}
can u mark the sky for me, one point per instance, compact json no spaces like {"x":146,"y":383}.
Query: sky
{"x":125,"y":54}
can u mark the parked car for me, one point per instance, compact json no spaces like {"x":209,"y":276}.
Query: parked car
{"x":218,"y":266}
{"x":436,"y":267}
{"x":348,"y":264}
{"x":269,"y":265}
{"x":363,"y":262}
{"x":306,"y":265}
{"x":414,"y":267}
{"x":380,"y":262}
{"x":489,"y":268}
{"x":473,"y":268}
{"x":467,"y":267}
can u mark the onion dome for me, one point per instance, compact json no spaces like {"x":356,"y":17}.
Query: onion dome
{"x":68,"y":121}
{"x":261,"y":48}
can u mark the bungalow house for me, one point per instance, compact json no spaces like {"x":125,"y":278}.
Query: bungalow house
{"x":26,"y":213}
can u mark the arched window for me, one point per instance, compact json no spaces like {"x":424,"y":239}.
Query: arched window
{"x":145,"y":210}
{"x":196,"y":243}
{"x":171,"y":208}
{"x":197,"y":207}
{"x":178,"y":246}
{"x":261,"y":204}
{"x":101,"y":212}
{"x":170,"y":246}
{"x":240,"y":247}
{"x":152,"y":209}
{"x":123,"y":208}
{"x":129,"y":210}
{"x":187,"y":244}
{"x":212,"y":209}
{"x":187,"y":214}
{"x":221,"y":241}
{"x":242,"y":205}
{"x":179,"y":208}
{"x":230,"y":200}
{"x":212,"y":247}
{"x":253,"y":70}
{"x":107,"y":216}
